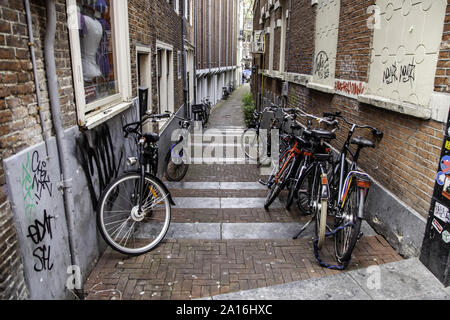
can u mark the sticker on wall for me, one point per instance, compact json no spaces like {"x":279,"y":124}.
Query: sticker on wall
{"x":447,"y":145}
{"x":437,"y":226}
{"x":445,"y":167}
{"x":442,"y":212}
{"x":446,"y":236}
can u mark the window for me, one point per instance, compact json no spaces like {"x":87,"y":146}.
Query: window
{"x":100,"y":58}
{"x":165,"y":77}
{"x":179,"y":64}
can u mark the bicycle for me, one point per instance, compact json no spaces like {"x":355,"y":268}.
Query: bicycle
{"x":349,"y":189}
{"x":134,"y":211}
{"x":307,"y":146}
{"x":175,"y":167}
{"x":251,"y":137}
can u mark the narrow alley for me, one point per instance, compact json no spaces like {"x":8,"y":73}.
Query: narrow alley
{"x":224,"y":150}
{"x":221,"y":239}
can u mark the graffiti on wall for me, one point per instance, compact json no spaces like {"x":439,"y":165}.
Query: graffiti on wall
{"x":322,"y":65}
{"x":36,"y":183}
{"x":38,"y":232}
{"x":349,"y":88}
{"x":400,"y":73}
{"x":98,"y":159}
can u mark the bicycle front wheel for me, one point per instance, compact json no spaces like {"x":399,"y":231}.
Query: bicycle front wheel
{"x":250,"y":144}
{"x":346,"y":238}
{"x":125,"y":225}
{"x":175,"y":172}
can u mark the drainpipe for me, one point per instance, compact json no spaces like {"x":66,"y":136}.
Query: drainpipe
{"x":66,"y":181}
{"x":36,"y":79}
{"x":185,"y":85}
{"x":195,"y":52}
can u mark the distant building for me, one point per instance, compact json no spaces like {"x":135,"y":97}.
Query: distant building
{"x":217,"y":31}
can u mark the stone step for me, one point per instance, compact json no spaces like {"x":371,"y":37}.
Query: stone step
{"x":223,"y":203}
{"x":238,"y":231}
{"x":216,"y":185}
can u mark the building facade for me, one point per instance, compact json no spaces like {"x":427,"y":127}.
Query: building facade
{"x":381,"y":63}
{"x":71,"y":75}
{"x":217,"y":32}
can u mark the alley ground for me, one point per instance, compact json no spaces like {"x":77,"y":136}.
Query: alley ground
{"x":222,"y":240}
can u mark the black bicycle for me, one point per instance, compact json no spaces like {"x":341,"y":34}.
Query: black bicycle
{"x":134,"y":211}
{"x":176,"y":166}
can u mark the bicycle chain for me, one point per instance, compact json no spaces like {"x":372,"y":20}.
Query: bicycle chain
{"x":316,"y":250}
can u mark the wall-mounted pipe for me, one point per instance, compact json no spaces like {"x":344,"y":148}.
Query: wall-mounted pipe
{"x":36,"y":79}
{"x":195,"y":54}
{"x":66,"y":181}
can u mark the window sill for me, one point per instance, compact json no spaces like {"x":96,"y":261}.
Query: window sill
{"x":413,"y":110}
{"x":320,"y":87}
{"x":104,"y":116}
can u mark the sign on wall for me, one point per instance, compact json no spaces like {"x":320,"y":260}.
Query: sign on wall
{"x":326,"y":38}
{"x":405,"y":50}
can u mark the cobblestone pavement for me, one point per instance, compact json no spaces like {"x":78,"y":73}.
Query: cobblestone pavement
{"x":195,"y":268}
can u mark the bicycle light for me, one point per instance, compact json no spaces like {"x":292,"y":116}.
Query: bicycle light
{"x":131,"y":161}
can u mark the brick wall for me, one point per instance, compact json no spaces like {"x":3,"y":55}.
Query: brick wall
{"x":443,"y":71}
{"x":19,"y":120}
{"x":152,"y":20}
{"x":406,"y":160}
{"x":203,"y":30}
{"x":300,"y":44}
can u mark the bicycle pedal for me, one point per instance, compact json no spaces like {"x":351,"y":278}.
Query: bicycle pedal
{"x":262,"y":182}
{"x":360,"y":235}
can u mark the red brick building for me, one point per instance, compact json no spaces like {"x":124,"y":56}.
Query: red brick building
{"x":104,"y":51}
{"x":380,"y":63}
{"x":217,"y":42}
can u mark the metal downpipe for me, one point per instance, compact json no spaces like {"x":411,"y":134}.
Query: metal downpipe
{"x":66,"y":182}
{"x":36,"y":79}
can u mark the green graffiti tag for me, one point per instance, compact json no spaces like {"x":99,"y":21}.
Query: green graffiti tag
{"x":27,"y":188}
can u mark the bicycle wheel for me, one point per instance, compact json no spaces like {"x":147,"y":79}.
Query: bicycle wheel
{"x":278,"y":186}
{"x":320,"y":207}
{"x":175,"y":172}
{"x":304,"y":192}
{"x":122,"y":225}
{"x":346,"y":238}
{"x":292,"y":185}
{"x":250,"y":144}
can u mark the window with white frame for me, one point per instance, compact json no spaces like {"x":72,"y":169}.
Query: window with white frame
{"x":100,"y":58}
{"x":165,"y":77}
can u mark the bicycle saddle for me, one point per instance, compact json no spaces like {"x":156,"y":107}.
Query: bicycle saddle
{"x":151,"y":137}
{"x":303,"y":142}
{"x":320,"y":134}
{"x":363,"y":142}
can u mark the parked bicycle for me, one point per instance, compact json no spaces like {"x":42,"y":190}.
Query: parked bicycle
{"x":225,"y":93}
{"x":202,"y":111}
{"x":256,"y":145}
{"x":176,"y":166}
{"x":134,"y":211}
{"x":325,"y":187}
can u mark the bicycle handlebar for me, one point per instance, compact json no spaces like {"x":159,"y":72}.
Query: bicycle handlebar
{"x":376,"y":132}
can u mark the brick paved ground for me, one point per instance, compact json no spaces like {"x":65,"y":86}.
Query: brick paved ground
{"x":189,"y":269}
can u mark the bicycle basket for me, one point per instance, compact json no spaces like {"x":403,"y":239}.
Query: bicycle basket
{"x":197,"y":108}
